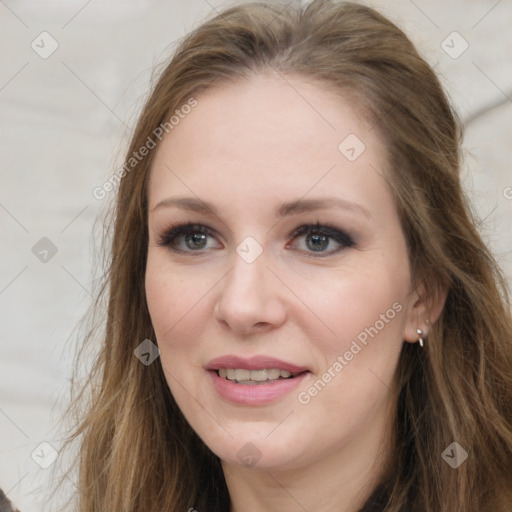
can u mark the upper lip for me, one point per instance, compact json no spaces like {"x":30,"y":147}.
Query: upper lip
{"x":260,"y":362}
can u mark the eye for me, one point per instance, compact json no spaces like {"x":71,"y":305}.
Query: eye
{"x":193,"y":236}
{"x":318,"y":238}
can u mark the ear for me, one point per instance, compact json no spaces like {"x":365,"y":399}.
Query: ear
{"x":423,"y":312}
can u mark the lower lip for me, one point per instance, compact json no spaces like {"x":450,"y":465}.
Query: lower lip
{"x":254,"y":394}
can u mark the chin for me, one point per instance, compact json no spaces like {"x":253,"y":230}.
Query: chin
{"x":256,"y":453}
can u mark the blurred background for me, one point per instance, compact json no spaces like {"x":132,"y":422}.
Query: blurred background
{"x":73,"y":76}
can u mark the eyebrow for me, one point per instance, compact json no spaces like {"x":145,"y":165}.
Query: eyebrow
{"x":285,"y":209}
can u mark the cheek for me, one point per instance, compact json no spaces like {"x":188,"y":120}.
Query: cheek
{"x":366,"y":310}
{"x":359,"y":303}
{"x":175,"y":307}
{"x":174,"y":300}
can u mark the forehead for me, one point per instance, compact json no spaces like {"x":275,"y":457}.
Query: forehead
{"x":267,"y":136}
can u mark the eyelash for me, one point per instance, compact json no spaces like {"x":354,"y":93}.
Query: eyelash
{"x":168,"y":236}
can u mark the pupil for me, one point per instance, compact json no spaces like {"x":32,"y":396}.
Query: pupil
{"x":319,"y":242}
{"x":196,"y":239}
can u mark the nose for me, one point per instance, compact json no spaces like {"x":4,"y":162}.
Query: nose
{"x":251,"y":298}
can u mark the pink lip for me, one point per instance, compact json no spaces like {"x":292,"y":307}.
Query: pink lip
{"x":253,"y":363}
{"x":254,"y":394}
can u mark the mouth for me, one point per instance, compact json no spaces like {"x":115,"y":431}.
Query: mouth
{"x":255,"y":381}
{"x":256,"y":377}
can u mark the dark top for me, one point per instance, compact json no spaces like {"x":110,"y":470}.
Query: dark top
{"x":5,"y":503}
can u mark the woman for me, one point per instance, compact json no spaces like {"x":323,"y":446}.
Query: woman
{"x":291,"y":233}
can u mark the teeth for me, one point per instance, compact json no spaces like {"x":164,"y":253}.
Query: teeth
{"x":259,"y":375}
{"x":273,"y":374}
{"x":242,"y":375}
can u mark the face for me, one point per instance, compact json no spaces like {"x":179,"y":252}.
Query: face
{"x":281,"y":307}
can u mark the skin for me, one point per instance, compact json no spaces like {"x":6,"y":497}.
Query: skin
{"x":247,"y":147}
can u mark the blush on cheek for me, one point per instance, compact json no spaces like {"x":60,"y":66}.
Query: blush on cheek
{"x":177,"y":327}
{"x":362,"y":313}
{"x":165,"y":299}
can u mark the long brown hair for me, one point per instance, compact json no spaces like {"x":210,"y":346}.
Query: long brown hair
{"x":137,"y":452}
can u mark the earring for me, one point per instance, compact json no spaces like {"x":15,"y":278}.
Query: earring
{"x":420,"y":339}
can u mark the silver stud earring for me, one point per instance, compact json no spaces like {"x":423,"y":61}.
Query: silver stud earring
{"x":420,"y":339}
